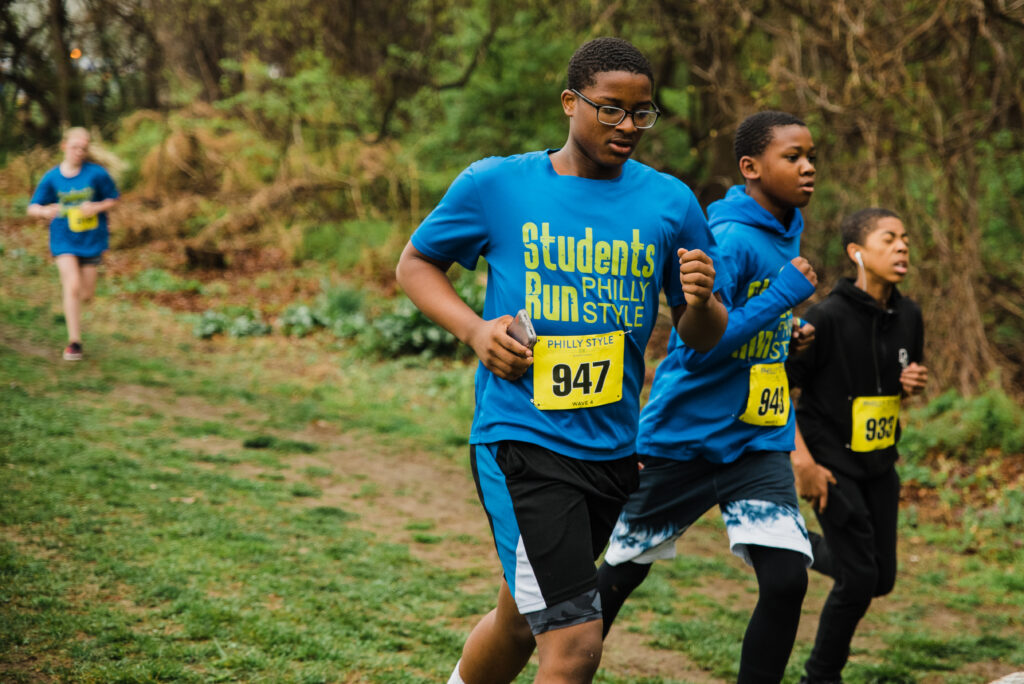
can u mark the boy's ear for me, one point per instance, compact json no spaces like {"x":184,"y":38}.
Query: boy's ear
{"x":749,"y":168}
{"x":852,"y":249}
{"x":568,"y":102}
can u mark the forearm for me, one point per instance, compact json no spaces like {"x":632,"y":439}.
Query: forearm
{"x":702,"y":327}
{"x":105,"y":205}
{"x":744,"y":322}
{"x":801,"y":456}
{"x":39,"y":211}
{"x":425,"y":282}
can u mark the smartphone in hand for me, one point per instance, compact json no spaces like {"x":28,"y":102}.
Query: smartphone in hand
{"x":521,"y":330}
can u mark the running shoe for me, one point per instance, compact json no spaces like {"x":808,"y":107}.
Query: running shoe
{"x":73,"y":352}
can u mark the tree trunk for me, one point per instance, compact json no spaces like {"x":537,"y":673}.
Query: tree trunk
{"x":58,"y":20}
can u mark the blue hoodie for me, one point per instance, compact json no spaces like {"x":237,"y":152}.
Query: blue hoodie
{"x":697,"y":399}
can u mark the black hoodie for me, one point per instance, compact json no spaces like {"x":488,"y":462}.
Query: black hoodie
{"x":859,"y":350}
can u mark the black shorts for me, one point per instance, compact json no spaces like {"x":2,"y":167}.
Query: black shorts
{"x":551,"y":516}
{"x":86,"y":260}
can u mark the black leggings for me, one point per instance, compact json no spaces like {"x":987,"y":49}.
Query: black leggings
{"x":782,"y":583}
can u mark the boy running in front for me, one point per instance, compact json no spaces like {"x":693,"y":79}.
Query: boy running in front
{"x":584,"y":239}
{"x":847,"y":386}
{"x":718,"y":427}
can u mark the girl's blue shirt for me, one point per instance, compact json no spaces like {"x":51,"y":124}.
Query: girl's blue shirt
{"x":91,"y":184}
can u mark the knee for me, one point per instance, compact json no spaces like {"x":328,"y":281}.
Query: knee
{"x":789,"y":586}
{"x":885,"y":583}
{"x":576,"y":659}
{"x":860,"y":587}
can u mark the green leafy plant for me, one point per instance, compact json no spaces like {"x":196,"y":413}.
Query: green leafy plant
{"x":964,"y":427}
{"x":407,"y":331}
{"x":235,"y":323}
{"x":298,"y":320}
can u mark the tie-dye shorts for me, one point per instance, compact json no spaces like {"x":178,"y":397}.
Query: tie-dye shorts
{"x":755,"y":494}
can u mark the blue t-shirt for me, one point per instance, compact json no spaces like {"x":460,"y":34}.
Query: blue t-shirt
{"x":92,"y":184}
{"x":583,"y":257}
{"x":697,"y":399}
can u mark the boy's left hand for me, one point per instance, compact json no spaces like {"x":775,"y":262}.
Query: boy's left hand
{"x":913,"y":378}
{"x":697,"y":276}
{"x":803,"y":335}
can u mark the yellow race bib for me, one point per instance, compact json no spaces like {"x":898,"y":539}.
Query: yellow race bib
{"x":768,"y":400}
{"x":874,"y":423}
{"x":578,"y":371}
{"x":78,"y":223}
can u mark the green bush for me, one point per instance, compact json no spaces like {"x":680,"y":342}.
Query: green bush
{"x":298,"y":320}
{"x":235,"y":322}
{"x":138,"y":135}
{"x":334,"y":308}
{"x":965,"y":427}
{"x":336,"y":302}
{"x":342,"y":243}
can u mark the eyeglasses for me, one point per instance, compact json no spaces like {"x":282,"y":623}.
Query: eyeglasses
{"x":613,"y":116}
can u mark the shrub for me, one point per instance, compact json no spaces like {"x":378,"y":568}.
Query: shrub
{"x":406,"y":330}
{"x":964,"y":427}
{"x":336,"y":302}
{"x":236,"y":322}
{"x":298,"y":320}
{"x":334,"y":308}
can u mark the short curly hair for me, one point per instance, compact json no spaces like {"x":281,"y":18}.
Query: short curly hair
{"x":856,"y":227}
{"x":605,"y":54}
{"x":756,"y":132}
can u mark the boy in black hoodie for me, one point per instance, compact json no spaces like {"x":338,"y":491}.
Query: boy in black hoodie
{"x":866,"y":357}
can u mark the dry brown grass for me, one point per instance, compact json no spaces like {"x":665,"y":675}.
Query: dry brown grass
{"x":212,"y":184}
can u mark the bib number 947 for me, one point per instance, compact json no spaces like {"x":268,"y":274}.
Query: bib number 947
{"x":587,"y":382}
{"x":577,"y":371}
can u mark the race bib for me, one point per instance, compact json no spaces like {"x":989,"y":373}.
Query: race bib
{"x":78,"y":223}
{"x":874,"y":423}
{"x":578,"y":371}
{"x":768,"y":400}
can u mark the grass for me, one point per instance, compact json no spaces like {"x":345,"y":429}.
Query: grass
{"x":189,"y":510}
{"x":127,"y":557}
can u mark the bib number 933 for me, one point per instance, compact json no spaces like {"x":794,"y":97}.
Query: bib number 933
{"x":874,"y":423}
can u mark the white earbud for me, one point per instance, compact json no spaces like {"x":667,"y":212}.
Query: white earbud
{"x":859,"y":258}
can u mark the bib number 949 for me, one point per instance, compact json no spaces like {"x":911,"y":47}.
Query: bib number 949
{"x":768,"y":398}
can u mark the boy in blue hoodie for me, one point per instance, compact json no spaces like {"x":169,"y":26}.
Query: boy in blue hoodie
{"x":718,"y":427}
